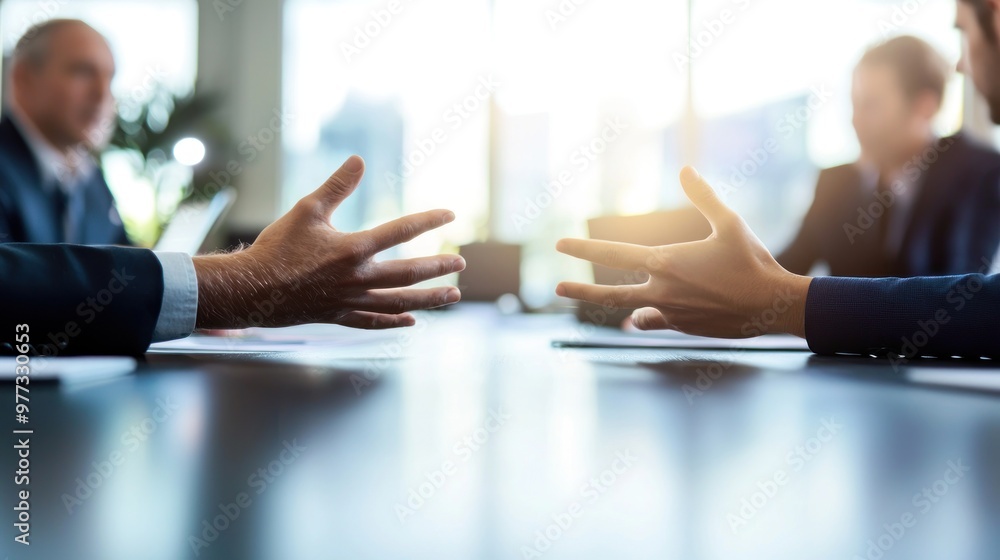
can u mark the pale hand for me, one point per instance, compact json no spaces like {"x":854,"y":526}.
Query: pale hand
{"x":726,"y":286}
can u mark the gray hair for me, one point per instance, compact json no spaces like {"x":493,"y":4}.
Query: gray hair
{"x":33,"y":46}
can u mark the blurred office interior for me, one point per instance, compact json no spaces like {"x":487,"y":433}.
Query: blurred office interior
{"x":525,"y":121}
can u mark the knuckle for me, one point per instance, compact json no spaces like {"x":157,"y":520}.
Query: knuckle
{"x":612,"y":255}
{"x":397,"y":306}
{"x":357,"y":250}
{"x":406,"y":230}
{"x":659,"y":259}
{"x":410,"y":275}
{"x":641,"y":320}
{"x":307,"y":206}
{"x":444,"y":267}
{"x":336,"y":185}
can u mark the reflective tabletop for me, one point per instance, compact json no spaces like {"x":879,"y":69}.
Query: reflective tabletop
{"x":470,"y":436}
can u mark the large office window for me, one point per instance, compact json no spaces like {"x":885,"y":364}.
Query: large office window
{"x":155,"y":47}
{"x":405,"y":87}
{"x":524,"y":117}
{"x":592,"y":108}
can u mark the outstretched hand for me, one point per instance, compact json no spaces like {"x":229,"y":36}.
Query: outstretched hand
{"x":303,"y":270}
{"x":726,"y":286}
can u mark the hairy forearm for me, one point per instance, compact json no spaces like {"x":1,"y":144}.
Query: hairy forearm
{"x":228,"y":286}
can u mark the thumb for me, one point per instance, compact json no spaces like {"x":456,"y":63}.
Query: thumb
{"x":340,"y":185}
{"x":649,"y":319}
{"x":704,"y":197}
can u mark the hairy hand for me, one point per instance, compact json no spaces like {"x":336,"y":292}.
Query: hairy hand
{"x":302,"y":270}
{"x":726,"y":286}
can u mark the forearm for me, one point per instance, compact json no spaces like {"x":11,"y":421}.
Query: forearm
{"x":793,"y":321}
{"x":231,"y":294}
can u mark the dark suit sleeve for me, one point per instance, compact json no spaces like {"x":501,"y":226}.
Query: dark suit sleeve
{"x":6,"y":233}
{"x":943,"y":316}
{"x":79,"y":300}
{"x":800,"y":256}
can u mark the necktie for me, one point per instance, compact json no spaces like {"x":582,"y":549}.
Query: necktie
{"x":69,"y":213}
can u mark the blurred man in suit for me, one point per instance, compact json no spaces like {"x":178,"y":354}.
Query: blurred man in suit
{"x":914,"y":204}
{"x":58,"y":113}
{"x":729,"y":285}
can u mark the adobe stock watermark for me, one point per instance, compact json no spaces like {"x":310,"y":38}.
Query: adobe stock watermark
{"x":957,"y":299}
{"x":899,"y":17}
{"x":131,"y":440}
{"x":756,"y":326}
{"x":47,"y":9}
{"x":912,"y":171}
{"x":418,"y":496}
{"x":759,"y":157}
{"x":454,"y":118}
{"x":707,"y":376}
{"x":601,"y":316}
{"x":796,"y":459}
{"x":366,"y":33}
{"x":590,"y":493}
{"x":711,"y":30}
{"x":250,"y":149}
{"x":86,"y":312}
{"x":390,"y":352}
{"x":580,"y":160}
{"x":225,"y":7}
{"x":923,"y":502}
{"x":258,"y":481}
{"x":561,"y":13}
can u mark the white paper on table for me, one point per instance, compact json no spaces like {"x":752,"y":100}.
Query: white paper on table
{"x":680,"y":341}
{"x":72,"y":370}
{"x":303,"y":338}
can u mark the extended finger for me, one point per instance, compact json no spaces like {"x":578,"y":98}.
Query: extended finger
{"x":376,"y":321}
{"x":393,"y":274}
{"x":406,"y":228}
{"x":339,"y":186}
{"x":618,"y":297}
{"x":400,"y":300}
{"x":623,"y":256}
{"x":705,"y":199}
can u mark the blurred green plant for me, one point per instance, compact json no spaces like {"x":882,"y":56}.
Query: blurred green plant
{"x":145,"y":135}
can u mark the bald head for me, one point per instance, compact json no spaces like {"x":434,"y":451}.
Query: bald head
{"x":61,"y":80}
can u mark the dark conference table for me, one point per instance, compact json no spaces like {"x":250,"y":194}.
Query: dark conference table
{"x":472,"y":437}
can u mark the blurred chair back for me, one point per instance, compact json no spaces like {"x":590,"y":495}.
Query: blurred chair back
{"x":657,"y":228}
{"x":492,"y":270}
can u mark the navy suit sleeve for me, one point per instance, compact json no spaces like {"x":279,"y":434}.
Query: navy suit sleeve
{"x":79,"y":300}
{"x":943,"y":316}
{"x":803,"y":252}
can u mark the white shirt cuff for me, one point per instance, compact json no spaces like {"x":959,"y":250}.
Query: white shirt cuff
{"x":179,"y":308}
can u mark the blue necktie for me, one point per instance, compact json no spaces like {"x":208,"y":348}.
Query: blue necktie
{"x":69,"y":213}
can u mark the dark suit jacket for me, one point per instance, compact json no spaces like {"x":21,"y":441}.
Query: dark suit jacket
{"x":904,"y":318}
{"x":79,"y":300}
{"x":28,"y":212}
{"x":954,"y":222}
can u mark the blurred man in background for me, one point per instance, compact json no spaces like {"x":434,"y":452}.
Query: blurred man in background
{"x":913,"y":204}
{"x":729,"y":285}
{"x":58,"y":113}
